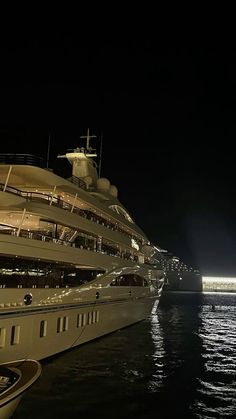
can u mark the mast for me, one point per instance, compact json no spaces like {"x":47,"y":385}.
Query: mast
{"x":48,"y":152}
{"x":100,"y":157}
{"x":81,"y":159}
{"x":88,"y":138}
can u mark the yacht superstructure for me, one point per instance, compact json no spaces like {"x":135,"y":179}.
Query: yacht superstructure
{"x":73,"y":264}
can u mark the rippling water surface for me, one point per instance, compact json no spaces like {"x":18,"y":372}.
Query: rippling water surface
{"x":180,"y":363}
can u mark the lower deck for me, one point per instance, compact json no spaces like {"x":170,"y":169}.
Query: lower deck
{"x":45,"y":332}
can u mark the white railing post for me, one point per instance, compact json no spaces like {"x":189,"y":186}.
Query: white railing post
{"x":73,"y":206}
{"x":53,"y":193}
{"x":21,"y":222}
{"x":7,"y":179}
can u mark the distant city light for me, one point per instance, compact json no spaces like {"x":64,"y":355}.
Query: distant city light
{"x":219,"y":279}
{"x":216,"y":283}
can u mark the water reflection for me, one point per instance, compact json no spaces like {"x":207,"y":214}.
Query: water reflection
{"x":179,"y":363}
{"x":158,"y":355}
{"x":217,"y":385}
{"x":182,"y":359}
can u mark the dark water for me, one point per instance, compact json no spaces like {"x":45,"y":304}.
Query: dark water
{"x":180,"y":363}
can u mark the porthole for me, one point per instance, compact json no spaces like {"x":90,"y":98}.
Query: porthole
{"x":28,"y":299}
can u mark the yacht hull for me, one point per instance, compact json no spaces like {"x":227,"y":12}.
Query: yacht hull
{"x":48,"y":331}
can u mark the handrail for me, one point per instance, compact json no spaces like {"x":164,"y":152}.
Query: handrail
{"x":55,"y":201}
{"x":77,"y":181}
{"x":26,"y":159}
{"x":11,"y":231}
{"x":34,"y":196}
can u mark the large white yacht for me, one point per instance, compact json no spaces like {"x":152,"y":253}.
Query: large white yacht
{"x":73,"y":264}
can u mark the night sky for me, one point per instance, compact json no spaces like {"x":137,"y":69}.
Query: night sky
{"x":167,"y":117}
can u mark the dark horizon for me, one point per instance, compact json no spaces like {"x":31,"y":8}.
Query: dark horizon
{"x":167,"y":117}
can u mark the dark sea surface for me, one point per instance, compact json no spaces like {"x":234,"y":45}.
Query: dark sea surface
{"x":179,"y":363}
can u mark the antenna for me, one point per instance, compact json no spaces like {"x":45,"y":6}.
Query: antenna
{"x":100,"y":157}
{"x":88,"y":137}
{"x":49,"y":140}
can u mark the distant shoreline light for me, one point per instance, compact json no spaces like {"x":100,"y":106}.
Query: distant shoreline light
{"x":217,"y":283}
{"x":217,"y":279}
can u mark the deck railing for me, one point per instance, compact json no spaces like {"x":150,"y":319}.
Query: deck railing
{"x":26,"y":159}
{"x":53,"y":200}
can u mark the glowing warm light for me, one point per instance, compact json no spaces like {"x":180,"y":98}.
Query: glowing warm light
{"x":225,"y":280}
{"x":216,"y":283}
{"x":134,"y":244}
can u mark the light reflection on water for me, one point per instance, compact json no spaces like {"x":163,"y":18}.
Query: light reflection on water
{"x":217,"y":386}
{"x":179,"y":363}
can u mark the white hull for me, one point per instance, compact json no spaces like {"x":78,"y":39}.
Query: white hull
{"x":100,"y":318}
{"x":26,"y":373}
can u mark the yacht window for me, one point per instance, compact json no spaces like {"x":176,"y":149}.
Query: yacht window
{"x":22,"y":273}
{"x":43,"y":328}
{"x":130,"y":280}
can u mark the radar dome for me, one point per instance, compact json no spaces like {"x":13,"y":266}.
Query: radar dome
{"x":103,"y":184}
{"x":88,"y":180}
{"x":113,"y":191}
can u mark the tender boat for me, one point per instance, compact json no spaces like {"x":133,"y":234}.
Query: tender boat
{"x":74,"y":265}
{"x":16,"y":378}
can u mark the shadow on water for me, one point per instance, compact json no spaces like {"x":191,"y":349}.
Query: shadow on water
{"x":179,"y":363}
{"x":182,"y":361}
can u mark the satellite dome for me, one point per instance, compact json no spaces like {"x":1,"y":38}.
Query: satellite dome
{"x":88,"y":180}
{"x":113,"y":191}
{"x":103,"y":184}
